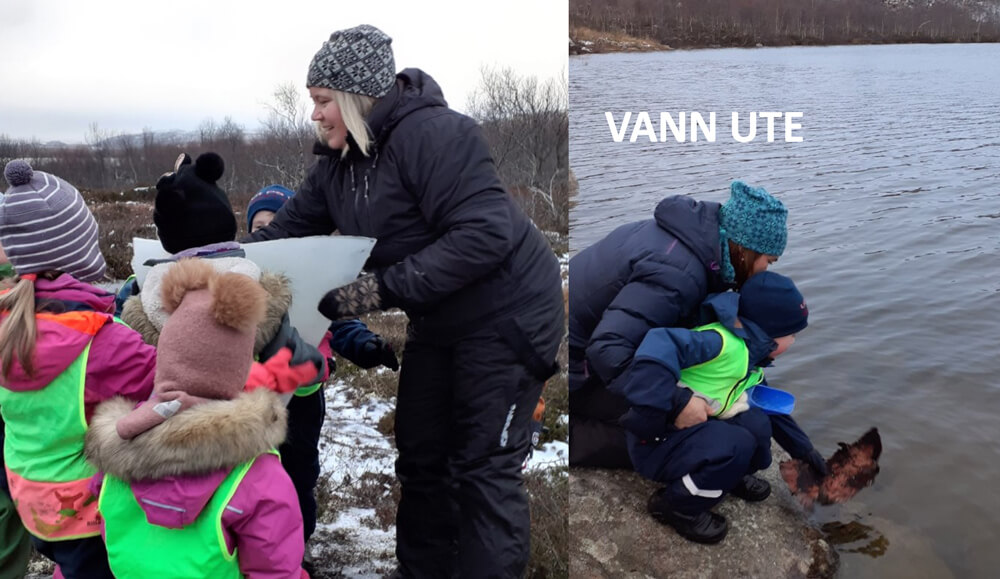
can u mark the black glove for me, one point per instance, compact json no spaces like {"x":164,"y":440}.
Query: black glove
{"x":361,"y":296}
{"x":815,"y":460}
{"x":375,"y":352}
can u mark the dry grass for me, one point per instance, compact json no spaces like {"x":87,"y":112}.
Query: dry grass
{"x":587,"y":40}
{"x":549,"y":494}
{"x":118,"y":223}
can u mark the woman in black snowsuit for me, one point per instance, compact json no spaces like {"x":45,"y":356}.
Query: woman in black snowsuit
{"x":478,"y":281}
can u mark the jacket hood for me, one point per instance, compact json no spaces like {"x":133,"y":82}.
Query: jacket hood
{"x":174,"y":468}
{"x":77,"y":295}
{"x":75,"y":311}
{"x":147,"y":320}
{"x":723,"y":308}
{"x":414,"y":90}
{"x":696,"y":225}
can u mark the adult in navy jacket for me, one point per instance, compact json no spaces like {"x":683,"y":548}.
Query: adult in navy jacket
{"x":478,"y":281}
{"x":654,"y":274}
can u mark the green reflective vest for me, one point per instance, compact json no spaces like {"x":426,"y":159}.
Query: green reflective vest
{"x":723,"y":378}
{"x":43,"y":453}
{"x":139,"y":549}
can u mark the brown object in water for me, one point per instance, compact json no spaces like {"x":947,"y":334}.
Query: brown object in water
{"x":852,"y":468}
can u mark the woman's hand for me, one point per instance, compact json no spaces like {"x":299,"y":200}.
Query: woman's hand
{"x":361,"y":296}
{"x":696,"y":412}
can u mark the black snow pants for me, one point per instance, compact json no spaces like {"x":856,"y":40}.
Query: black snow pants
{"x":462,"y":430}
{"x":300,"y":452}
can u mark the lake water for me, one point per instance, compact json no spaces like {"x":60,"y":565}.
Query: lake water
{"x":894,"y":238}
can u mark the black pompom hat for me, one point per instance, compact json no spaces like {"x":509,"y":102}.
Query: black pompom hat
{"x":190,"y":209}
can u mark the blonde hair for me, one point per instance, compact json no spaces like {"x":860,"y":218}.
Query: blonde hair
{"x":18,"y":330}
{"x":354,"y":108}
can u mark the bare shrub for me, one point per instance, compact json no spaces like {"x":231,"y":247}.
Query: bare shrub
{"x":548,"y":491}
{"x":527,"y":125}
{"x":118,"y":224}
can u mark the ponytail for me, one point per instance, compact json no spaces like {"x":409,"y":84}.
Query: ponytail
{"x":18,"y":330}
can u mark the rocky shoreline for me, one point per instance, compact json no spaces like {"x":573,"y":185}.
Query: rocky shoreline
{"x":613,"y":536}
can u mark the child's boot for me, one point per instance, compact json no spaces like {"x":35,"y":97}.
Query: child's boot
{"x":705,"y":527}
{"x":752,"y":489}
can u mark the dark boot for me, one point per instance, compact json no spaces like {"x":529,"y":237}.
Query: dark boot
{"x":752,"y":489}
{"x":705,"y":527}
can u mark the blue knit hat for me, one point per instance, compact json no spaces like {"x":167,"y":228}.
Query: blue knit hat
{"x":270,"y":198}
{"x":754,"y":219}
{"x":772,"y":301}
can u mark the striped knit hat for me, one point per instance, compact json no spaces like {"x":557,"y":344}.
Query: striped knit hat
{"x":45,"y":225}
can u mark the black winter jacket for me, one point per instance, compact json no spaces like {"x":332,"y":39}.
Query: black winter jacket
{"x":453,"y":249}
{"x":647,"y":274}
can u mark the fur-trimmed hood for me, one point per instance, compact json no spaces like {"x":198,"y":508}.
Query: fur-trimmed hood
{"x":145,"y":319}
{"x":200,"y":440}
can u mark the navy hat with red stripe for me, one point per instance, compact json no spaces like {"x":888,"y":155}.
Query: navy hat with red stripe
{"x":270,"y":198}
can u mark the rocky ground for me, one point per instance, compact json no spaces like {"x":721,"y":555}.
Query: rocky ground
{"x":613,"y":536}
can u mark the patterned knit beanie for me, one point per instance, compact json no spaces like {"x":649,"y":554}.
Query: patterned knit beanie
{"x":357,"y":60}
{"x":45,"y":225}
{"x":753,"y":219}
{"x":270,"y":198}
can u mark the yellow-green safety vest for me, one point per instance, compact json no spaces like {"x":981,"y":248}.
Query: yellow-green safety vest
{"x":725,"y":377}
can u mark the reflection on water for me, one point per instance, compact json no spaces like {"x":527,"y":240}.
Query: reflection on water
{"x":893,"y":238}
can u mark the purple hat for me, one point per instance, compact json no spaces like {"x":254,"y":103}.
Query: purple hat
{"x":270,"y":198}
{"x":46,"y":226}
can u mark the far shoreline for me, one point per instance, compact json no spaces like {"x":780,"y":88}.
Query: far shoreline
{"x":585,"y":41}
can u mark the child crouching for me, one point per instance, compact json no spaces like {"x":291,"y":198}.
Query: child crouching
{"x":689,"y":425}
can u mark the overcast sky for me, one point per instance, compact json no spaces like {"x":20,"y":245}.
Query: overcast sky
{"x":128,"y":64}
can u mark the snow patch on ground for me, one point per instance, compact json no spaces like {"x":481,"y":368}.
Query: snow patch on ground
{"x":550,"y":455}
{"x":352,"y":444}
{"x":351,"y":447}
{"x":368,"y":553}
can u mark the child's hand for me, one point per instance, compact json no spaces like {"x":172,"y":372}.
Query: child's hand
{"x":377,"y":352}
{"x":278,"y":374}
{"x":815,"y":460}
{"x":696,"y":412}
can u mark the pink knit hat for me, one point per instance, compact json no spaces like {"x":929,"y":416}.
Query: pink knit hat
{"x":205,"y":349}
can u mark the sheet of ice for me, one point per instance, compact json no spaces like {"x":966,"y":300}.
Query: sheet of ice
{"x":314,"y":265}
